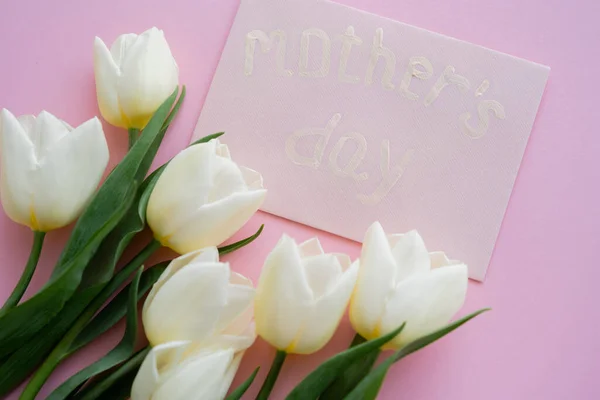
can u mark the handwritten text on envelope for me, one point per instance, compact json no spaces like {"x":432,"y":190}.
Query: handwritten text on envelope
{"x":352,"y":118}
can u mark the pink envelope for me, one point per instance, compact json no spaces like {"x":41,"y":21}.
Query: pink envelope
{"x":352,"y":117}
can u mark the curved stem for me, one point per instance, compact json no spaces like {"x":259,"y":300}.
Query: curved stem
{"x":61,"y":350}
{"x":267,"y":387}
{"x":134,"y":134}
{"x":34,"y":256}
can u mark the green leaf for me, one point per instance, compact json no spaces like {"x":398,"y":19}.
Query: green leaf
{"x":117,"y":308}
{"x":109,"y":205}
{"x":102,"y":266}
{"x":352,"y":375}
{"x":20,"y":364}
{"x":208,"y":138}
{"x":317,"y":381}
{"x":133,"y":167}
{"x":368,"y":388}
{"x":240,"y":390}
{"x":121,"y":389}
{"x":238,"y":245}
{"x":119,"y":354}
{"x":119,"y":377}
{"x":21,"y":323}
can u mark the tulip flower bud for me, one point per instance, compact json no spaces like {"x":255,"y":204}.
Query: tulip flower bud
{"x":399,"y":281}
{"x":174,"y":371}
{"x":134,"y":77}
{"x":49,"y":170}
{"x":302,"y":295}
{"x":202,"y":198}
{"x":199,"y":299}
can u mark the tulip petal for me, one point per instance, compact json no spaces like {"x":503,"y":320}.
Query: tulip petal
{"x":159,"y":360}
{"x":411,"y":256}
{"x":27,"y":122}
{"x":209,"y":254}
{"x":222,"y":150}
{"x":188,"y":305}
{"x":425,"y":302}
{"x":149,"y":76}
{"x":18,"y":165}
{"x":181,"y":190}
{"x":214,"y":223}
{"x":235,"y":339}
{"x":48,"y":131}
{"x":253,"y":179}
{"x":69,"y":174}
{"x":376,"y":279}
{"x":239,"y":305}
{"x":325,"y":316}
{"x":200,"y":377}
{"x":440,"y":259}
{"x":322,"y":273}
{"x":230,"y":374}
{"x":107,"y":74}
{"x":120,"y":46}
{"x":283,"y":296}
{"x":312,"y":247}
{"x":226,"y":179}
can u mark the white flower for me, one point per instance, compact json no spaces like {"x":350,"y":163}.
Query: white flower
{"x":302,"y":295}
{"x":175,"y":371}
{"x":49,"y":171}
{"x":202,"y":198}
{"x":199,"y":299}
{"x":134,"y":78}
{"x":399,"y":281}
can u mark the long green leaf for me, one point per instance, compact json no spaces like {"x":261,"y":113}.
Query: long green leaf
{"x":117,"y":308}
{"x":369,"y":386}
{"x":207,"y":138}
{"x":238,"y":245}
{"x":106,"y":209}
{"x":317,"y":381}
{"x":119,"y":375}
{"x":119,"y":354}
{"x":26,"y":358}
{"x":20,"y":364}
{"x":240,"y":390}
{"x":353,"y":373}
{"x":22,"y":323}
{"x":102,"y":266}
{"x":120,"y":389}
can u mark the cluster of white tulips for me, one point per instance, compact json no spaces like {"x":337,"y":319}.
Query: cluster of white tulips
{"x":199,"y":316}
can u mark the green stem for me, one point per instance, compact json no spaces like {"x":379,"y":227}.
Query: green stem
{"x":61,"y":351}
{"x":134,"y":134}
{"x":34,"y":256}
{"x":269,"y":383}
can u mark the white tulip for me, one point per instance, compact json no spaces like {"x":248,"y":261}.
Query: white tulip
{"x":49,"y":171}
{"x":199,"y":299}
{"x":399,"y":281}
{"x":175,"y":371}
{"x":202,"y":198}
{"x":302,"y":295}
{"x":134,"y":77}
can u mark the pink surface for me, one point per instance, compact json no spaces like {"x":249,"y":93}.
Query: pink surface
{"x":541,"y":339}
{"x":437,"y":172}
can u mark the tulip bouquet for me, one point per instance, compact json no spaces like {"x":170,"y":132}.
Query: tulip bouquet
{"x":199,"y":316}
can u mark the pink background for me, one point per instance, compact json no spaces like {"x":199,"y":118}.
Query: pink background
{"x":541,"y":339}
